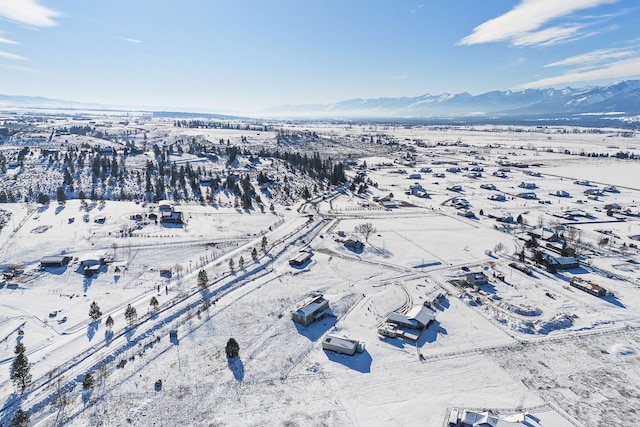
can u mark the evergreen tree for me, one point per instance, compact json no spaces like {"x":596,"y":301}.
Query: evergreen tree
{"x":264,"y":243}
{"x":20,"y":419}
{"x":241,"y":263}
{"x":154,"y":304}
{"x":109,"y":322}
{"x":130,"y":314}
{"x":203,"y":279}
{"x":254,"y":253}
{"x":231,"y":264}
{"x":20,"y":369}
{"x":94,"y":311}
{"x":232,"y":349}
{"x":60,"y":196}
{"x":87,"y":382}
{"x":43,"y":199}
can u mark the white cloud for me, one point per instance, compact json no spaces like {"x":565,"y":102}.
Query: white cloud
{"x":546,"y":37}
{"x":8,"y":55}
{"x":594,"y":57}
{"x":28,"y":12}
{"x":130,"y":40}
{"x":7,"y":41}
{"x":521,"y":22}
{"x":627,"y":68}
{"x":16,"y":68}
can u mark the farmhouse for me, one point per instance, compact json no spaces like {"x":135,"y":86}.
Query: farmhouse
{"x":544,"y":233}
{"x":614,"y":207}
{"x":174,"y":217}
{"x":528,"y":195}
{"x":54,"y":261}
{"x":528,"y":185}
{"x":419,"y":317}
{"x":353,"y":244}
{"x":476,"y":279}
{"x":311,"y":311}
{"x":559,"y":263}
{"x":593,"y":192}
{"x":341,"y":345}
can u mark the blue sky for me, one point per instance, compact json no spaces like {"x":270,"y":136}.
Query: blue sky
{"x":244,"y":55}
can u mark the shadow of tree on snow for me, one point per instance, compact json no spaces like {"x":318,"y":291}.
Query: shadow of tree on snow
{"x":237,"y":367}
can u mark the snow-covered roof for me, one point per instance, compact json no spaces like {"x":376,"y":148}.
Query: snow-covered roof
{"x":312,"y":306}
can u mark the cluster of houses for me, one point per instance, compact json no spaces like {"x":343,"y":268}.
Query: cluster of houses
{"x":468,"y":418}
{"x":90,"y":264}
{"x":409,"y":325}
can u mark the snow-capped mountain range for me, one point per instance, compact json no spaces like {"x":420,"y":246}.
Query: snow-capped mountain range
{"x":621,"y":97}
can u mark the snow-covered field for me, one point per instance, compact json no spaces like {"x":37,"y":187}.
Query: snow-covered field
{"x":521,"y":343}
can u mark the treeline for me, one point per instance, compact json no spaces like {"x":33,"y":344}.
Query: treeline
{"x":101,"y":173}
{"x":212,"y":124}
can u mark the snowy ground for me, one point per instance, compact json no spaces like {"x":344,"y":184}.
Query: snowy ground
{"x":522,"y":344}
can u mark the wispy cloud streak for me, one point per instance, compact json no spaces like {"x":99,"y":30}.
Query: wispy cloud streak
{"x":130,"y":40}
{"x":13,"y":56}
{"x":594,"y":57}
{"x":523,"y":25}
{"x":627,"y":68}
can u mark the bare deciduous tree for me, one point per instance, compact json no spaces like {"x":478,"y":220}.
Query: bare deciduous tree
{"x":366,"y":230}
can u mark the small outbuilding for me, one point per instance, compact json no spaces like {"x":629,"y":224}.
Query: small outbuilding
{"x":300,"y":259}
{"x":588,"y":286}
{"x":54,"y":261}
{"x":340,"y":344}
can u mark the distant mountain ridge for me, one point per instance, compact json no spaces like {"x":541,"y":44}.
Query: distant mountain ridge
{"x":17,"y":101}
{"x":619,"y":97}
{"x":616,"y":100}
